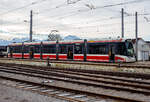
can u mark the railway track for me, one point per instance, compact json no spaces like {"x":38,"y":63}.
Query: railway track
{"x":112,"y":73}
{"x":58,"y":92}
{"x":83,"y":76}
{"x":102,"y":76}
{"x":127,"y":65}
{"x":67,"y":94}
{"x":120,"y":76}
{"x":95,"y":83}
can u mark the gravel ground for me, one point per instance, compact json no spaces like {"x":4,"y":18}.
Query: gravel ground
{"x":83,"y":87}
{"x":10,"y":94}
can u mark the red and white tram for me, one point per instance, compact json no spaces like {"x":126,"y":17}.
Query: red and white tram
{"x":118,"y":50}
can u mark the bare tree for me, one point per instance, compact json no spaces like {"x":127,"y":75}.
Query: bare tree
{"x":54,"y":37}
{"x":72,"y":1}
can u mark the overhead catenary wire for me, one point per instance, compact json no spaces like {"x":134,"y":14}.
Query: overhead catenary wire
{"x":25,"y":6}
{"x":74,"y":13}
{"x":100,"y":20}
{"x":28,"y":5}
{"x":105,"y":6}
{"x":69,"y":14}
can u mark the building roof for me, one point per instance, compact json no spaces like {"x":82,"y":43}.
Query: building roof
{"x":134,"y":40}
{"x":148,"y":42}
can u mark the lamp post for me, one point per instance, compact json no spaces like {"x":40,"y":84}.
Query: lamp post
{"x":30,"y":34}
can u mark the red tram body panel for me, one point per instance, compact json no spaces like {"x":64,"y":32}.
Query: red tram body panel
{"x":118,"y":50}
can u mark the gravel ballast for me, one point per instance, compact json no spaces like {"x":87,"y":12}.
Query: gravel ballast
{"x":84,"y":87}
{"x":10,"y":94}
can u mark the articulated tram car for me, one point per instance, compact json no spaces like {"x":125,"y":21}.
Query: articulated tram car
{"x":118,"y":50}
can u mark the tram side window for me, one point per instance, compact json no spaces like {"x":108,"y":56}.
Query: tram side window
{"x":97,"y":49}
{"x":26,"y":49}
{"x":62,"y":49}
{"x":78,"y":49}
{"x":17,"y":49}
{"x":121,"y":49}
{"x":37,"y":49}
{"x":49,"y":48}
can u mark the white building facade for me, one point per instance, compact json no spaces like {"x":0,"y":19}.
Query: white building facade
{"x":143,"y":49}
{"x":148,"y":42}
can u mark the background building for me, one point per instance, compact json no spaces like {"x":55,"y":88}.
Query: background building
{"x":143,"y":49}
{"x":148,"y":42}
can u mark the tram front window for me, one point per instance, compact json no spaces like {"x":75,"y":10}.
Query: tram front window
{"x":130,"y":50}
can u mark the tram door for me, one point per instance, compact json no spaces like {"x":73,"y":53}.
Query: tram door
{"x":112,"y":53}
{"x":70,"y":52}
{"x":31,"y":52}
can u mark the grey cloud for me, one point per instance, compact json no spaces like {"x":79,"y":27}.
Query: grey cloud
{"x":57,"y":14}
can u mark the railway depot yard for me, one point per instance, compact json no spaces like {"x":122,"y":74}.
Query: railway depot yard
{"x":75,"y":51}
{"x":25,"y":80}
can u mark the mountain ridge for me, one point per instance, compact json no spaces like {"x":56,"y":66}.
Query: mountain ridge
{"x":19,"y":40}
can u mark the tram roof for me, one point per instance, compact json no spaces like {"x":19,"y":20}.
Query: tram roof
{"x":70,"y":41}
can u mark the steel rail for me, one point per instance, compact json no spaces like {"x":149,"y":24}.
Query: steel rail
{"x":80,"y":82}
{"x":71,"y":90}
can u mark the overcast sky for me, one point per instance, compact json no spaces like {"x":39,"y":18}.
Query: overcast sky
{"x":83,"y":18}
